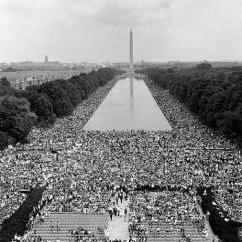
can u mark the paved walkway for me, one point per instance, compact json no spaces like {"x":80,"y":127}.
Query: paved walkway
{"x":118,"y":227}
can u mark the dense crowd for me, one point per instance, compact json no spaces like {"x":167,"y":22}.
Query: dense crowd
{"x":151,"y":212}
{"x":82,"y":168}
{"x":83,"y":234}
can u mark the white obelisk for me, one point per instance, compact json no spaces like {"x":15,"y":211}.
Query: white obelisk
{"x":131,"y":65}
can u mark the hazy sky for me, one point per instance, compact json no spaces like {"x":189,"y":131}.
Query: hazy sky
{"x":98,"y":30}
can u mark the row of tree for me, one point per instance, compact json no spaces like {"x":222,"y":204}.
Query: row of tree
{"x":214,"y":95}
{"x":20,"y":110}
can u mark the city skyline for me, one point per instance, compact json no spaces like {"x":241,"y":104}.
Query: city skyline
{"x":96,"y":31}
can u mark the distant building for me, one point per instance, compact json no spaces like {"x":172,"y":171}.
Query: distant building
{"x":23,"y":83}
{"x":46,"y":59}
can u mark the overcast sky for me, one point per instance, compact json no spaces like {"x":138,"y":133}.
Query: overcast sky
{"x":98,"y":30}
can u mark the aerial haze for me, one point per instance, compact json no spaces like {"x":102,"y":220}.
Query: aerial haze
{"x":97,"y":30}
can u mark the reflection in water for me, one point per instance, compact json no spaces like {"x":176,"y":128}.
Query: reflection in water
{"x":131,"y":91}
{"x":131,"y":87}
{"x":129,"y":105}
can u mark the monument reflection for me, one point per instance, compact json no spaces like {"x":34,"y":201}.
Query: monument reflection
{"x":128,"y":106}
{"x":131,"y":87}
{"x":131,"y":91}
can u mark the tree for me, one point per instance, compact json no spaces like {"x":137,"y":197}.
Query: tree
{"x":214,"y":95}
{"x":58,"y":96}
{"x":4,"y":82}
{"x":72,"y":90}
{"x":40,"y":105}
{"x":15,"y":117}
{"x":63,"y":107}
{"x":205,"y":66}
{"x":230,"y":123}
{"x":51,"y":99}
{"x":170,"y":70}
{"x":6,"y":140}
{"x":7,"y":90}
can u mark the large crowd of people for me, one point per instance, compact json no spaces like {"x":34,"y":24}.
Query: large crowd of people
{"x":82,"y":169}
{"x":151,"y":212}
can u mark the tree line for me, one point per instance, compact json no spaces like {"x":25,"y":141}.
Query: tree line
{"x":20,"y":110}
{"x":214,"y":95}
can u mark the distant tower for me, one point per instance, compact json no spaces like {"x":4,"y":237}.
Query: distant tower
{"x":131,"y":64}
{"x":46,"y":58}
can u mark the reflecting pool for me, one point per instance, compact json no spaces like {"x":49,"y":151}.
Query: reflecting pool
{"x":128,"y":106}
